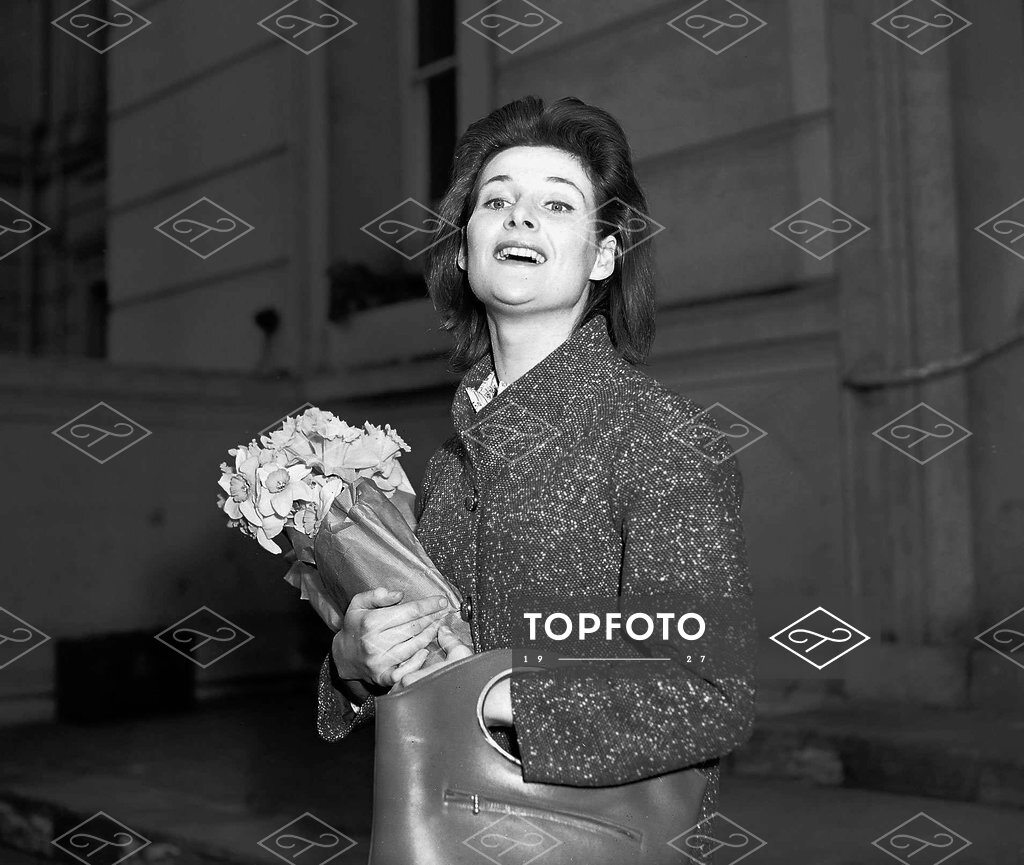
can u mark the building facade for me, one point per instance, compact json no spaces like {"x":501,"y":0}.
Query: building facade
{"x":313,"y":149}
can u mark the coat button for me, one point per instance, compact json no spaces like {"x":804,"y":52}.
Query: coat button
{"x":472,"y":499}
{"x":466,"y":610}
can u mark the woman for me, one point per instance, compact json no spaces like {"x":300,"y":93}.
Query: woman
{"x":573,"y":481}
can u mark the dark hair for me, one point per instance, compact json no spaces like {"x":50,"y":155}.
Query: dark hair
{"x":592,"y":135}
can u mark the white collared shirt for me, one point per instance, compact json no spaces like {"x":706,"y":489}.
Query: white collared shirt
{"x":489,"y":388}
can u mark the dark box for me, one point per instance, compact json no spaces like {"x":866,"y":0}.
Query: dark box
{"x":109,"y":677}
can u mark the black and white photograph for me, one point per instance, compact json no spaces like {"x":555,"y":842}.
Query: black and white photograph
{"x":452,"y":432}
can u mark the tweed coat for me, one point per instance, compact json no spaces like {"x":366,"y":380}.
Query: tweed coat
{"x":583,"y":485}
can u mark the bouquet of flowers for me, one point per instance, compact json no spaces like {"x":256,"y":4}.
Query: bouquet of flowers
{"x":338,"y":497}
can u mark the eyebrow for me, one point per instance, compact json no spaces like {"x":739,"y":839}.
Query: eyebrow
{"x":504,"y":178}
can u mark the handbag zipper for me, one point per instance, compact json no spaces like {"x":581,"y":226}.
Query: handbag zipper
{"x":480,"y":803}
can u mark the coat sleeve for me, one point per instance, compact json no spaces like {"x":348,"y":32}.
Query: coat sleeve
{"x":338,"y":710}
{"x":676,"y":493}
{"x":343,"y":706}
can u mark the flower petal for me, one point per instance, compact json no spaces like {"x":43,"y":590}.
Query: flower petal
{"x":266,"y":543}
{"x":282,"y":502}
{"x":301,"y":490}
{"x":298,"y":472}
{"x":273,"y":526}
{"x":248,"y":510}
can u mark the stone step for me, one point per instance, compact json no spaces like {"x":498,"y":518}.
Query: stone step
{"x":803,"y":823}
{"x":205,"y":787}
{"x":798,"y":821}
{"x":967,"y":756}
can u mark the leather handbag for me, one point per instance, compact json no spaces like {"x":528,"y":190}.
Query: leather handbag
{"x":446,"y":793}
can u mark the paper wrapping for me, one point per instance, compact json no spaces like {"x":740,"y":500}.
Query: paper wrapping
{"x":367,"y":540}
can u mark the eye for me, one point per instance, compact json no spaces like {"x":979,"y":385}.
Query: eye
{"x":556,"y":206}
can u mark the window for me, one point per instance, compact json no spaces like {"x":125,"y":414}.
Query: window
{"x":53,"y":156}
{"x":434,"y":79}
{"x":447,"y":74}
{"x":445,"y":80}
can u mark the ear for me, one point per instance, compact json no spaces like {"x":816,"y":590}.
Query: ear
{"x":604,"y":266}
{"x":461,"y":260}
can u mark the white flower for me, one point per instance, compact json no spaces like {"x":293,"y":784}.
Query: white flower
{"x":280,"y":486}
{"x":292,"y":476}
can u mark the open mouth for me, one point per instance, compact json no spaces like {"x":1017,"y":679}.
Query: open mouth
{"x":519,"y":254}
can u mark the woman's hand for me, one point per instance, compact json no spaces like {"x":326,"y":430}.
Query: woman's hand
{"x":383,"y":640}
{"x":454,"y":649}
{"x":497,"y":708}
{"x":498,"y":705}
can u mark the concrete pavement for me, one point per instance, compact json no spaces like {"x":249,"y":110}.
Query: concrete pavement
{"x":206,"y":787}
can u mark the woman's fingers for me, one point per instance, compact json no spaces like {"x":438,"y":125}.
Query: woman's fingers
{"x":374,"y":599}
{"x":381,"y":633}
{"x":414,"y":676}
{"x":454,"y":648}
{"x":400,"y":633}
{"x":401,"y":614}
{"x":409,"y":667}
{"x":401,"y":652}
{"x":377,"y":640}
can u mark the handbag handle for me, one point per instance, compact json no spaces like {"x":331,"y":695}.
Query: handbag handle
{"x":453,"y":694}
{"x":488,"y":738}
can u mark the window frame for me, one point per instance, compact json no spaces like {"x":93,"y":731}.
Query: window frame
{"x":473,"y":65}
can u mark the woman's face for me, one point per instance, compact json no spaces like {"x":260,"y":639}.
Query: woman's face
{"x":537,"y":199}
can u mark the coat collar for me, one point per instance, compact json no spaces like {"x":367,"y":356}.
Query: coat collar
{"x":556,"y":398}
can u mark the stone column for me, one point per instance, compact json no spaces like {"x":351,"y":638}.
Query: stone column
{"x":908,"y":524}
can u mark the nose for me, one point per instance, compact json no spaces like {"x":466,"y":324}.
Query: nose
{"x":519,"y":214}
